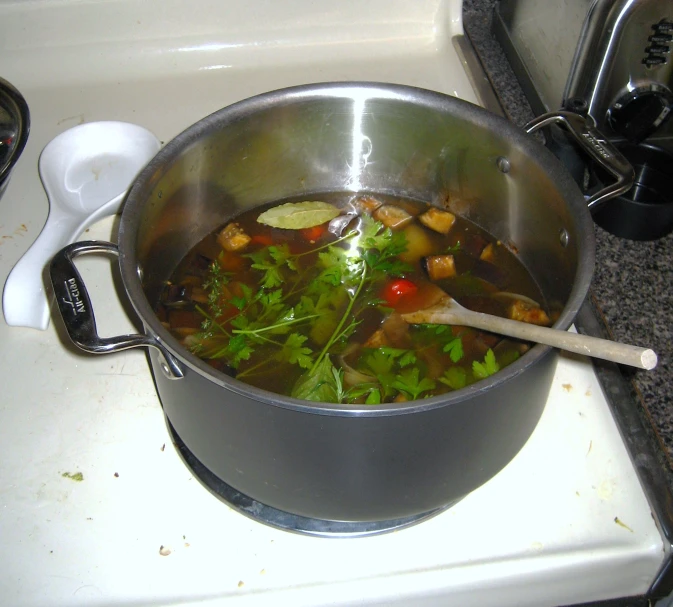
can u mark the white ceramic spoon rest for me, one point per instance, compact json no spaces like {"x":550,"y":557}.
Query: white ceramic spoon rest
{"x":86,"y":172}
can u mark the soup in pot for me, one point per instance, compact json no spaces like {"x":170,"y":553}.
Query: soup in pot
{"x":305,"y":298}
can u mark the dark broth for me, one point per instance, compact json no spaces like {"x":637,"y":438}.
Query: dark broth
{"x":316,"y":314}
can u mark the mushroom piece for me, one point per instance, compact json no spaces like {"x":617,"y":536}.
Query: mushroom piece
{"x":377,"y":339}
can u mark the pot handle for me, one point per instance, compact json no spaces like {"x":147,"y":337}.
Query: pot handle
{"x":591,"y":140}
{"x":75,"y":308}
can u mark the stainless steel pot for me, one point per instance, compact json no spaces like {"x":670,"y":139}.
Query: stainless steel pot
{"x":338,"y":462}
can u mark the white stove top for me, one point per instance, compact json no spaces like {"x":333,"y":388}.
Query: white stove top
{"x":96,"y":507}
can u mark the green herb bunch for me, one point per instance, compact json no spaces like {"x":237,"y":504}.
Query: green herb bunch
{"x":301,"y":309}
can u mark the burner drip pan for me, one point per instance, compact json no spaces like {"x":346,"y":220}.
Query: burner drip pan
{"x":285,"y":520}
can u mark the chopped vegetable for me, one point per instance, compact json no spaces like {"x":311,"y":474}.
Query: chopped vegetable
{"x":397,"y":329}
{"x":419,"y":243}
{"x":233,"y":238}
{"x":229,"y":261}
{"x":367,"y":204}
{"x":392,"y":217}
{"x":262,"y":239}
{"x":314,"y":233}
{"x":523,"y":311}
{"x":377,"y":339}
{"x":488,"y":253}
{"x":506,"y":296}
{"x":438,"y":220}
{"x":396,"y":290}
{"x":440,"y":266}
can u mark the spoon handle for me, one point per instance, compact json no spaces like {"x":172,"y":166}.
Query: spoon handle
{"x":634,"y":356}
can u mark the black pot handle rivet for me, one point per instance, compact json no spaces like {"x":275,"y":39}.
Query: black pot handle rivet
{"x":74,"y":305}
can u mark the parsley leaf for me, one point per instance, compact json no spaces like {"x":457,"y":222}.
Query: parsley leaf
{"x":294,"y":351}
{"x":271,"y":261}
{"x":487,"y":368}
{"x":379,"y":362}
{"x":454,"y":348}
{"x":409,"y":383}
{"x":333,"y":261}
{"x":454,"y":249}
{"x":319,"y":384}
{"x":381,"y":246}
{"x":241,"y":302}
{"x":455,"y":378}
{"x":238,"y":350}
{"x":443,"y":335}
{"x":370,"y":389}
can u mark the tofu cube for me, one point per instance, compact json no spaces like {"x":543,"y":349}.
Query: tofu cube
{"x":367,"y":204}
{"x":233,"y":238}
{"x":392,"y":217}
{"x":438,"y":220}
{"x":440,"y":266}
{"x":524,"y":312}
{"x":487,"y":253}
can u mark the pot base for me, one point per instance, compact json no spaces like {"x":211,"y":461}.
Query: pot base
{"x":285,"y":520}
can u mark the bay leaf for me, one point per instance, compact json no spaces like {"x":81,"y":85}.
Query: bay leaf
{"x":299,"y":215}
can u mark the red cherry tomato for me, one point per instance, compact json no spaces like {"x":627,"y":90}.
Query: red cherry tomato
{"x":314,"y":233}
{"x":394,"y":291}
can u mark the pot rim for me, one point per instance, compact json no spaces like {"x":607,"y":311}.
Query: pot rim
{"x":433,"y":100}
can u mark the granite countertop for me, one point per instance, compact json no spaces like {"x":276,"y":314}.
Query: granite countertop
{"x":632,"y":289}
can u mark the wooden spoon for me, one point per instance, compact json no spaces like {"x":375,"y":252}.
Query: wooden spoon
{"x":449,"y":312}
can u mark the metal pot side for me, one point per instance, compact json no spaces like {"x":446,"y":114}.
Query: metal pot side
{"x":331,"y":461}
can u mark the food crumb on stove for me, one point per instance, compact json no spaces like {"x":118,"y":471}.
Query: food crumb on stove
{"x":622,"y":524}
{"x":588,"y":392}
{"x":76,"y":476}
{"x":116,"y":474}
{"x":567,"y":387}
{"x":163,"y":447}
{"x":164,"y":550}
{"x":89,"y":518}
{"x":262,"y":572}
{"x":577,"y":493}
{"x":241,"y":584}
{"x":591,"y":444}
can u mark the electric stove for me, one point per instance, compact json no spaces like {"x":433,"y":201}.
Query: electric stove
{"x":100,"y":504}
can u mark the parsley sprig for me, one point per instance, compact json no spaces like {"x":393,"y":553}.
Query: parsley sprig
{"x":300,"y":310}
